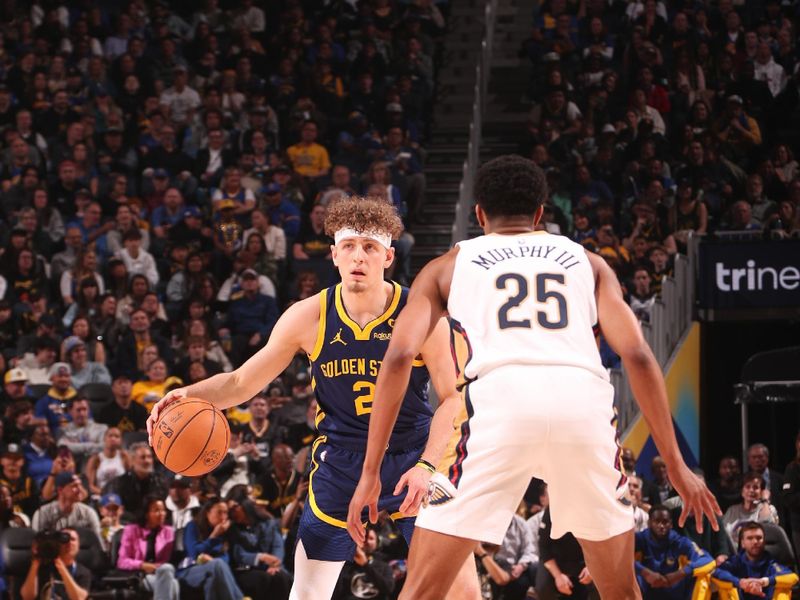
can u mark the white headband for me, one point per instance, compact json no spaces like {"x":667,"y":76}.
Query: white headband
{"x":384,"y":239}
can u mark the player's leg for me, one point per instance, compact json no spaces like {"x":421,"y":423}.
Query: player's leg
{"x":430,"y":564}
{"x":614,"y":578}
{"x":313,"y":579}
{"x":588,"y":491}
{"x":466,"y":585}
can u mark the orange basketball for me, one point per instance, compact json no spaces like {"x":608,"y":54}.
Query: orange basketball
{"x":191,"y":437}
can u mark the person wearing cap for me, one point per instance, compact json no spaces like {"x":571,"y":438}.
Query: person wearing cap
{"x":82,"y":435}
{"x":181,"y":502}
{"x":281,"y":211}
{"x":66,"y":510}
{"x":14,"y":382}
{"x":110,"y":518}
{"x":251,"y":317}
{"x":83,"y":370}
{"x":189,"y":231}
{"x":737,"y":131}
{"x":309,"y":159}
{"x":53,"y":405}
{"x":344,"y":329}
{"x":25,"y":494}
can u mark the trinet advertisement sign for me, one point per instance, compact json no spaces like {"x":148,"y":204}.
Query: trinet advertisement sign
{"x":749,"y":275}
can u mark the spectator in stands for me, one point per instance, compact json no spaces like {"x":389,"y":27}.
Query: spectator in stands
{"x":65,"y":578}
{"x":110,"y":507}
{"x":109,"y":462}
{"x":83,"y":370}
{"x":365,"y":570}
{"x":309,"y":159}
{"x":758,"y":462}
{"x":156,"y":383}
{"x":134,"y":341}
{"x":208,"y":560}
{"x":661,"y":479}
{"x":640,"y":509}
{"x":147,"y":547}
{"x":669,"y":565}
{"x":140,"y":481}
{"x":181,"y":502}
{"x":518,"y":559}
{"x":791,"y":495}
{"x":82,"y":435}
{"x":755,"y":506}
{"x":14,"y":382}
{"x":251,"y":318}
{"x":752,"y":572}
{"x":66,"y":510}
{"x":562,"y":570}
{"x":137,"y":260}
{"x":257,"y":543}
{"x":728,"y":487}
{"x":53,"y":406}
{"x":642,"y":298}
{"x":24,"y":491}
{"x":279,"y":483}
{"x":123,"y":413}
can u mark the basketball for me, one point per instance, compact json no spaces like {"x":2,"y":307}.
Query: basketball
{"x":191,"y":437}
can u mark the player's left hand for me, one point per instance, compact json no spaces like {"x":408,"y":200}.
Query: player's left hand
{"x":366,"y":495}
{"x":697,"y":499}
{"x":416,"y":479}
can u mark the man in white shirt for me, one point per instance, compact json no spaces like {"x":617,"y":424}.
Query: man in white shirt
{"x":180,"y":98}
{"x":181,"y":502}
{"x":767,"y":70}
{"x":136,"y":260}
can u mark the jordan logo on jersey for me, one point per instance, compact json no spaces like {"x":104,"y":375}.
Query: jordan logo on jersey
{"x":338,"y":338}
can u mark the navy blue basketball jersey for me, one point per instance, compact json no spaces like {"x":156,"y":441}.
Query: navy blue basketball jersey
{"x":344,"y":367}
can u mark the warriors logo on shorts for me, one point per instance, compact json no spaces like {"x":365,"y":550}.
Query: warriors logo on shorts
{"x":440,"y":490}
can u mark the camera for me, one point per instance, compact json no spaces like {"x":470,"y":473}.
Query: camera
{"x":48,"y":544}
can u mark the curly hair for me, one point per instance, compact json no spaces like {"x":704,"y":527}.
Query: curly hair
{"x":509,"y":186}
{"x":367,"y":214}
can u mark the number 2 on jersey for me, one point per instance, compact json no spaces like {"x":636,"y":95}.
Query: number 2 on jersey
{"x":364,"y":401}
{"x":543,"y":295}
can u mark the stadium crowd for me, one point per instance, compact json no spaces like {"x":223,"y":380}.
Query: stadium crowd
{"x":164,"y":177}
{"x":656,"y":119}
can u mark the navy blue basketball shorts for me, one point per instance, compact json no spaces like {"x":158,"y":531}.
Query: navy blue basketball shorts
{"x":334,"y":476}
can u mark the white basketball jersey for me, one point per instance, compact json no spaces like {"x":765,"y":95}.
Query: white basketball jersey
{"x":523,"y":299}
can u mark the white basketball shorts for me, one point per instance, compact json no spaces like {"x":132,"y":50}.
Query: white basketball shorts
{"x":551,"y":422}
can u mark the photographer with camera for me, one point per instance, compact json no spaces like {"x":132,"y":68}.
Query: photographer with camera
{"x":54,"y":571}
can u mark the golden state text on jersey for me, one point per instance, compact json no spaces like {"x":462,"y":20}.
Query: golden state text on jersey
{"x":344,"y":366}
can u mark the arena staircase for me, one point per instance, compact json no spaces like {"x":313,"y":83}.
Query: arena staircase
{"x":447,"y":148}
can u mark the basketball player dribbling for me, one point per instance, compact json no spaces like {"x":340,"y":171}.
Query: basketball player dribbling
{"x":536,"y":400}
{"x":345,"y":331}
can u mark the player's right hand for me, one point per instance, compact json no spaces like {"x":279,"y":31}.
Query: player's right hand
{"x":697,"y":498}
{"x":159,"y":407}
{"x":366,"y":495}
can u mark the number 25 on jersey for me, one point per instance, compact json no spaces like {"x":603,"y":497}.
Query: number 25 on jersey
{"x":548,"y":298}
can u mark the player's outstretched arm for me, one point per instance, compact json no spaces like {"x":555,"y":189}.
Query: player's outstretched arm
{"x":439,"y":361}
{"x":624,"y":335}
{"x":425,"y":307}
{"x":229,"y":389}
